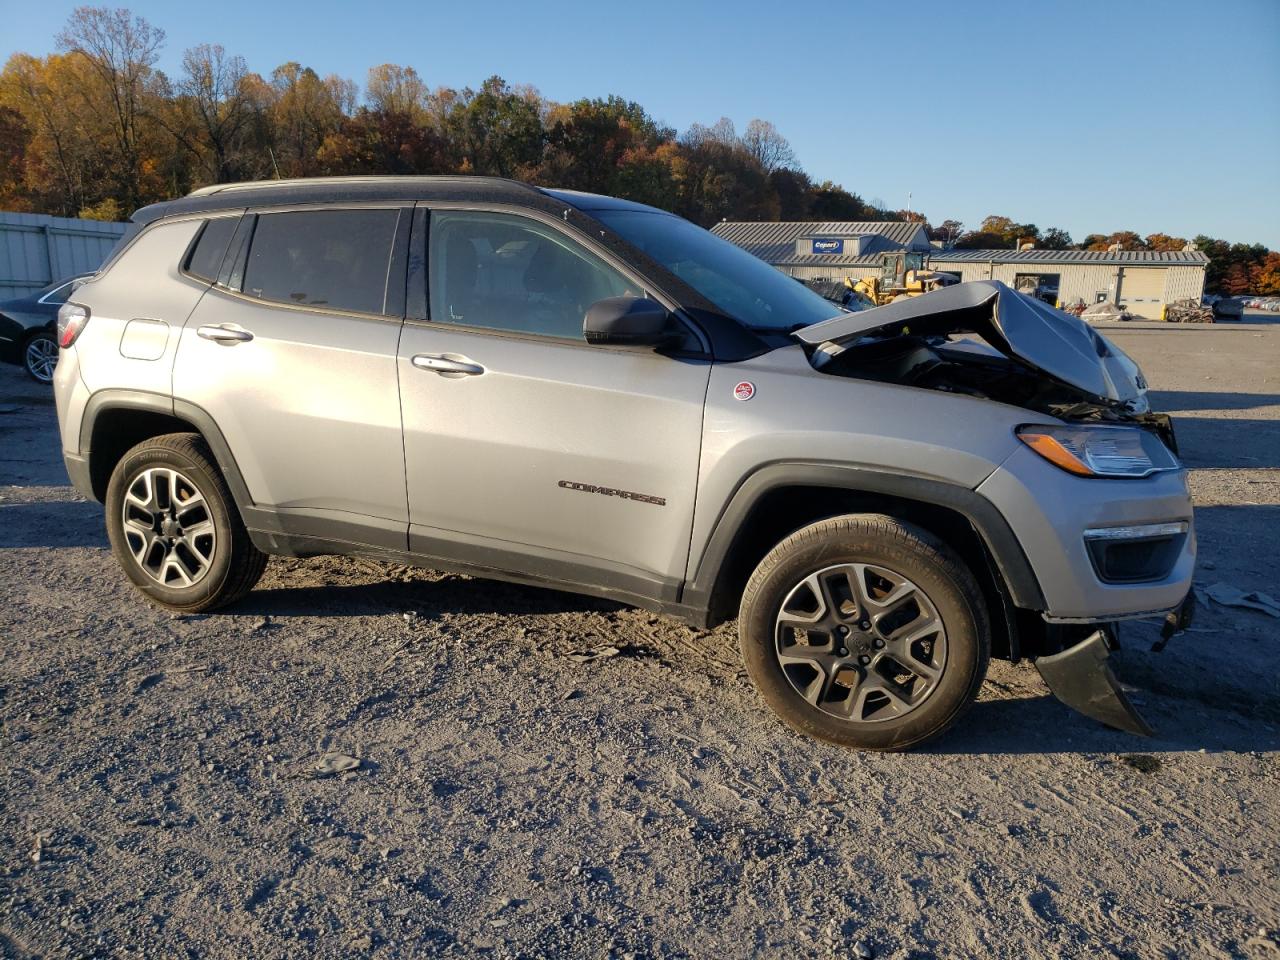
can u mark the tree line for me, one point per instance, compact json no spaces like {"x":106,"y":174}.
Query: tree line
{"x":96,"y":130}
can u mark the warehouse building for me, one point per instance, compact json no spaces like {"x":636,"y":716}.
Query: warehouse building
{"x":1142,"y":281}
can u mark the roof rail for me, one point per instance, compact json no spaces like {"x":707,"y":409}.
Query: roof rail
{"x":329,"y":181}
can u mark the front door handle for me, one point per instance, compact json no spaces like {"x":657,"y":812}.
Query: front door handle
{"x":224,"y":334}
{"x":437,"y":363}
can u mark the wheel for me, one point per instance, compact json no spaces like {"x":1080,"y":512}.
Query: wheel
{"x":40,"y":356}
{"x":175,"y":529}
{"x":865,"y":631}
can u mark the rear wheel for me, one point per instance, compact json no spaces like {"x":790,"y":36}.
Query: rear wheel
{"x":865,"y":631}
{"x":40,"y":357}
{"x":175,"y":529}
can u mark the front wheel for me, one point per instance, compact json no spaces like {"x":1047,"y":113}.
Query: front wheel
{"x":865,"y":631}
{"x":40,"y":357}
{"x":175,"y":529}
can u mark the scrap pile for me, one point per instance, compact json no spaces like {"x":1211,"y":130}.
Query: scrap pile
{"x":1105,"y":311}
{"x":1190,"y":310}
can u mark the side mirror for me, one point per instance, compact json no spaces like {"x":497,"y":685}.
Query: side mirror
{"x":628,"y":321}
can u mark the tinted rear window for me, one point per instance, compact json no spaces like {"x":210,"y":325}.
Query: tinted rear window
{"x":206,"y":256}
{"x":336,"y":259}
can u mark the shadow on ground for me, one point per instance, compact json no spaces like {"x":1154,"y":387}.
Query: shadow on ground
{"x":52,"y":524}
{"x":450,"y":594}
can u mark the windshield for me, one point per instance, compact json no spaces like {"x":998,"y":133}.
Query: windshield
{"x":740,"y":284}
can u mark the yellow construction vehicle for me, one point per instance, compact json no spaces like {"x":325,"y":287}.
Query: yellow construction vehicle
{"x":902,"y":274}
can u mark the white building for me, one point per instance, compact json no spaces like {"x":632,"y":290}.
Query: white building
{"x":1142,"y":281}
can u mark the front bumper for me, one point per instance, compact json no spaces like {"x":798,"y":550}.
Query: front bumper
{"x":1082,"y":679}
{"x":1081,"y":676}
{"x":1049,"y":510}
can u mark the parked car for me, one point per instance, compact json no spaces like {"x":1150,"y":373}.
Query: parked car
{"x":28,"y":334}
{"x":585,"y":393}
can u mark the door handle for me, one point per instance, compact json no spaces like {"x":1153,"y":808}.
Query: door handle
{"x":437,"y":363}
{"x":224,"y":334}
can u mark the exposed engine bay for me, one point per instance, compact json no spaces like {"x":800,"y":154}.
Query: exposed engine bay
{"x":986,"y":340}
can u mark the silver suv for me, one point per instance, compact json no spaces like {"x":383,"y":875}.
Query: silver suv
{"x":575,"y":391}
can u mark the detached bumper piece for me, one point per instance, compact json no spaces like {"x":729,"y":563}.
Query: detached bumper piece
{"x":1082,"y":679}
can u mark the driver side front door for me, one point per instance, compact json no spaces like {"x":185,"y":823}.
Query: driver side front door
{"x":526,"y":448}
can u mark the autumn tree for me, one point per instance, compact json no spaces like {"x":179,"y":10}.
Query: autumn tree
{"x":1126,"y":239}
{"x":215,"y":108}
{"x":947,"y":231}
{"x":398,"y":91}
{"x":67,"y":156}
{"x":15,"y":135}
{"x":591,"y":144}
{"x":1164,"y":242}
{"x":303,"y":111}
{"x":497,"y":130}
{"x":1265,"y":277}
{"x":830,"y":201}
{"x":121,"y":51}
{"x":1055,"y":238}
{"x":770,"y":148}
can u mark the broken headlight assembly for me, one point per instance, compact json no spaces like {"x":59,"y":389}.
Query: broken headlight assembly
{"x":1090,"y":450}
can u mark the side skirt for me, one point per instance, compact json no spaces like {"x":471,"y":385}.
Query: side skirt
{"x":280,"y":534}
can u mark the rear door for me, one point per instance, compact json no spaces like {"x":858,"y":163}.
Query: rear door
{"x":293,"y":354}
{"x":526,"y":448}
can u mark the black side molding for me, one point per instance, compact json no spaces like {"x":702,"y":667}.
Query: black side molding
{"x":1010,"y":560}
{"x":118,"y":399}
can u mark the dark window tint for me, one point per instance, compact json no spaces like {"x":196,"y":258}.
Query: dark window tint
{"x":743,"y":286}
{"x":510,"y":273}
{"x":206,"y":258}
{"x":337,"y":259}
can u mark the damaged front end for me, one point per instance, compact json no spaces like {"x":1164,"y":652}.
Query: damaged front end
{"x":1081,"y":676}
{"x":985,"y":340}
{"x":1029,"y":354}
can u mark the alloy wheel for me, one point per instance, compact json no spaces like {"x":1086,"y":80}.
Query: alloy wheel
{"x":168,"y":527}
{"x":860,"y":642}
{"x":41,"y":358}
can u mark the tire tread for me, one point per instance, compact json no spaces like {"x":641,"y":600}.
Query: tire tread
{"x":907,"y":537}
{"x":247,"y":562}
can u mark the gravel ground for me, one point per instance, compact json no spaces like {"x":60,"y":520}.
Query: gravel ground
{"x":166,"y":792}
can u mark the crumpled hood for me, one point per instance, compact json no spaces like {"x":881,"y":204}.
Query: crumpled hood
{"x":1024,"y":328}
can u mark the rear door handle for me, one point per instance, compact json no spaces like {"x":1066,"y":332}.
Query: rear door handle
{"x":224,"y":334}
{"x":437,"y":363}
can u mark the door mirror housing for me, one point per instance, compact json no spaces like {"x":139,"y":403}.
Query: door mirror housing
{"x":628,"y":321}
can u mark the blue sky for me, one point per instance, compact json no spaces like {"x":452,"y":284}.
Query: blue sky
{"x":1092,"y":116}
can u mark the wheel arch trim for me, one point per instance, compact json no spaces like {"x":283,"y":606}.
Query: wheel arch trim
{"x":113,"y":399}
{"x":1010,"y":560}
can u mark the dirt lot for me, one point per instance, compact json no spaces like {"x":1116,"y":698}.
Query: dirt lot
{"x":160,"y":797}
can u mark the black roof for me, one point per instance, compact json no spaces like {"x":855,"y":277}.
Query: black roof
{"x":232,"y":196}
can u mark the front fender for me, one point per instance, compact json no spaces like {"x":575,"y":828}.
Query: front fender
{"x":990,"y":524}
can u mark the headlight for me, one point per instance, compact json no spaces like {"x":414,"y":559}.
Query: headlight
{"x":1096,"y":451}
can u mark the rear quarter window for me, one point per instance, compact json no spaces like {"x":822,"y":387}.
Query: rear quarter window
{"x":205,"y":259}
{"x":334,"y":259}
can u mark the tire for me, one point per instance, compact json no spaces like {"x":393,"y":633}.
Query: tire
{"x":40,"y":356}
{"x":193,"y":554}
{"x":901,"y":673}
